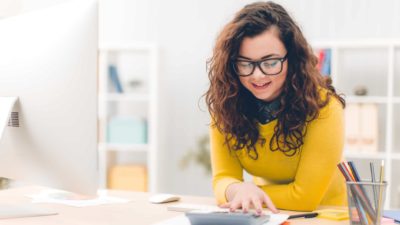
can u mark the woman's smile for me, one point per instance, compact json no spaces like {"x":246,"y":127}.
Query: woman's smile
{"x":261,"y":86}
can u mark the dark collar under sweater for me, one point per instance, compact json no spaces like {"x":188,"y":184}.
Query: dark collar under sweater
{"x":267,"y":111}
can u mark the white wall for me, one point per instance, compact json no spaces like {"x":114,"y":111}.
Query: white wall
{"x":185,"y":31}
{"x":9,"y":7}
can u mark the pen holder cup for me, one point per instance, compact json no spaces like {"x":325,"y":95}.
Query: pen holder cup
{"x":365,"y":202}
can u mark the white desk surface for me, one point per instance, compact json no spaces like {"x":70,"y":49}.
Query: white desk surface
{"x":137,"y":212}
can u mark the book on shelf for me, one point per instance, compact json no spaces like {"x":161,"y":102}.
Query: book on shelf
{"x":361,"y":127}
{"x":324,"y":61}
{"x":114,"y":78}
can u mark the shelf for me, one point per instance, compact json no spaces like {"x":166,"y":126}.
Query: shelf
{"x":137,"y":46}
{"x":371,"y":63}
{"x":366,"y":99}
{"x":370,"y":99}
{"x":124,"y":97}
{"x":364,"y":155}
{"x":370,"y":155}
{"x":368,"y":43}
{"x":131,"y":58}
{"x":395,"y":155}
{"x":124,"y":147}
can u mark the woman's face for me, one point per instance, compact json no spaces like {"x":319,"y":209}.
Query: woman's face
{"x":266,"y":45}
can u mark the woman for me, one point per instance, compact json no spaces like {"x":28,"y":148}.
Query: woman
{"x":273,"y":115}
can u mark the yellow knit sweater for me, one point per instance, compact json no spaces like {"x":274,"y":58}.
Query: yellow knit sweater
{"x":301,"y":182}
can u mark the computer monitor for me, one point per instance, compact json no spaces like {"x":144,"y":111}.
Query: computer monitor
{"x":48,"y":59}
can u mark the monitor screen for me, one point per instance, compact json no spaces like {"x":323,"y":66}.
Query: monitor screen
{"x":48,"y":59}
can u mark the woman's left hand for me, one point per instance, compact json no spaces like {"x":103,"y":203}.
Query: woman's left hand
{"x":247,"y":194}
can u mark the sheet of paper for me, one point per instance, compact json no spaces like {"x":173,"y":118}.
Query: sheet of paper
{"x":67,"y":198}
{"x":394,"y":214}
{"x":6,"y":105}
{"x":276,"y":219}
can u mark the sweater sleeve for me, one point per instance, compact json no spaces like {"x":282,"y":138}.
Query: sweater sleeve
{"x":225,"y":165}
{"x":320,"y":153}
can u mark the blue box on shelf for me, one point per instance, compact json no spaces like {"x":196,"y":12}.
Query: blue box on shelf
{"x":127,"y":130}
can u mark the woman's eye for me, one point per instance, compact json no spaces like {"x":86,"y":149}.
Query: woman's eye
{"x":270,"y":63}
{"x":244,"y":64}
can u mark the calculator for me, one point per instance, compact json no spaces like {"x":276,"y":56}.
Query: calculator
{"x":225,"y":218}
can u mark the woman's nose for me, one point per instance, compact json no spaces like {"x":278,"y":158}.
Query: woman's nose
{"x":258,"y":73}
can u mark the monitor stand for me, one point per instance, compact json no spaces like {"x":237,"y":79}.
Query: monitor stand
{"x":32,"y":209}
{"x":19,"y":210}
{"x":9,"y":211}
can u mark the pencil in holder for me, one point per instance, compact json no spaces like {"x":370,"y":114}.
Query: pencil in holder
{"x":365,"y":202}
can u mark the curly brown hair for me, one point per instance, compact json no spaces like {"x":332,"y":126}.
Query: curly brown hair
{"x":232,"y":106}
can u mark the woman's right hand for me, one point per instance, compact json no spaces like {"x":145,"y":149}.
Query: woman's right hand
{"x":246,"y":195}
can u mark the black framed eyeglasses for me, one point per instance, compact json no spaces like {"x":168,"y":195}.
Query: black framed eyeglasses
{"x":270,"y":66}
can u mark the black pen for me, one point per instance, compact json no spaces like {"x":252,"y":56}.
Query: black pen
{"x":305,"y":215}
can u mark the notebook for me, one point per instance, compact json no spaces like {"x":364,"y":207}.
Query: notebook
{"x":393,"y":214}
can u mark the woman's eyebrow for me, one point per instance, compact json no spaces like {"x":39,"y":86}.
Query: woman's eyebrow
{"x":264,"y":57}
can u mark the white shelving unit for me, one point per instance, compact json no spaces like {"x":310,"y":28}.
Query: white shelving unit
{"x":376,"y":65}
{"x":144,"y":100}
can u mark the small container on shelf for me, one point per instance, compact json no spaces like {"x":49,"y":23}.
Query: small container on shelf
{"x":127,"y":130}
{"x":128,"y":177}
